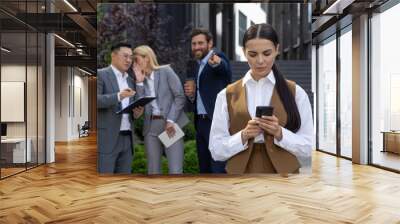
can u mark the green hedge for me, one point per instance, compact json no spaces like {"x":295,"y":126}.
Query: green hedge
{"x":190,"y":133}
{"x":190,"y":163}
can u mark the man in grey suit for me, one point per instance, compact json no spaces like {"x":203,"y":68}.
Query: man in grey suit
{"x":163,"y":112}
{"x":115,"y":90}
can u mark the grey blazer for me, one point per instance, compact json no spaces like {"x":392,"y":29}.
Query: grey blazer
{"x":108,"y":122}
{"x":170,"y":98}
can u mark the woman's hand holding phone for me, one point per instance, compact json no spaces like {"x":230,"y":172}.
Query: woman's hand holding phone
{"x":251,"y":130}
{"x":268,"y":122}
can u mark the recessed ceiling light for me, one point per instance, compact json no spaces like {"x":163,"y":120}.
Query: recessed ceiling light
{"x":86,"y":72}
{"x":70,"y":5}
{"x":338,"y":6}
{"x":5,"y":49}
{"x":64,"y":40}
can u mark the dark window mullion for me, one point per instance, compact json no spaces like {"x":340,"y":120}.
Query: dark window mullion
{"x":317,"y":97}
{"x":26,"y":86}
{"x":37,"y":90}
{"x":369,"y":98}
{"x":338,"y":98}
{"x":45,"y":87}
{"x":0,"y":93}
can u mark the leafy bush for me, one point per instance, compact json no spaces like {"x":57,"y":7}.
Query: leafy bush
{"x":190,"y":132}
{"x":190,"y":162}
{"x":139,"y":160}
{"x":150,"y":25}
{"x":138,"y":126}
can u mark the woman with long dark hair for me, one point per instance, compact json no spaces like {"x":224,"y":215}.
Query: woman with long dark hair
{"x":267,"y":144}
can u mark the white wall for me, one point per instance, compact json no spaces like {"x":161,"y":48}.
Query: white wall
{"x":14,"y":72}
{"x":81,"y":104}
{"x":17,"y":73}
{"x":12,"y":101}
{"x":254,"y":13}
{"x":33,"y":126}
{"x":71,"y":94}
{"x":61,"y":103}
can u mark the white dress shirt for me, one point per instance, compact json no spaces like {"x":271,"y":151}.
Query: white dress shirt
{"x":199,"y":102}
{"x":223,"y":145}
{"x":155,"y":110}
{"x":123,"y":84}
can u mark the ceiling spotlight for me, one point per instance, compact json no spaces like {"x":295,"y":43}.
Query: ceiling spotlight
{"x":65,"y":41}
{"x":337,"y":7}
{"x":5,"y":50}
{"x":71,"y":6}
{"x":86,"y":72}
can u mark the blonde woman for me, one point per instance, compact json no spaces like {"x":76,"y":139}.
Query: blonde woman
{"x":163,"y":112}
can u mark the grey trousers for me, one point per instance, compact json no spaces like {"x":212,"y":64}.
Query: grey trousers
{"x":154,"y":149}
{"x":120,"y":160}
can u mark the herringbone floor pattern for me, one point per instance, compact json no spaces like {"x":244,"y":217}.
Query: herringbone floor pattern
{"x":70,"y":191}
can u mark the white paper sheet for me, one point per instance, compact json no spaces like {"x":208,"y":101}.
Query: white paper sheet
{"x":169,"y":141}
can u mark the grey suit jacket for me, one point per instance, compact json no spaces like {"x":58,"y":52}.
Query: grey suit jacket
{"x":108,"y":122}
{"x":170,"y":98}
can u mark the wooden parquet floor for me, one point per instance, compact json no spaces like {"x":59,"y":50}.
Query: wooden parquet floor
{"x":70,"y":191}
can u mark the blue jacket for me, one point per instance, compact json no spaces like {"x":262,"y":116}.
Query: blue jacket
{"x":212,"y":81}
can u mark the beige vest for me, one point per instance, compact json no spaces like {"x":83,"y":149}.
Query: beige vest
{"x":258,"y":158}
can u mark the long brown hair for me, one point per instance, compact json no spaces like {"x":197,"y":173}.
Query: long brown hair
{"x":266,"y":31}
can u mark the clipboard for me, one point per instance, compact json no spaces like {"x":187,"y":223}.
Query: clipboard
{"x":141,"y":102}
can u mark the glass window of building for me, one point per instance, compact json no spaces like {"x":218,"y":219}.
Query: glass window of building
{"x":327,"y":95}
{"x":346,"y":92}
{"x":22,"y":67}
{"x":385,"y":88}
{"x":15,"y":146}
{"x":242,"y":27}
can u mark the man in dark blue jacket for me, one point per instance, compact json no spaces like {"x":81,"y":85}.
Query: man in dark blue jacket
{"x":211,"y":73}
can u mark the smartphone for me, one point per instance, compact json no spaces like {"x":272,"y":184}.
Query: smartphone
{"x":264,"y":111}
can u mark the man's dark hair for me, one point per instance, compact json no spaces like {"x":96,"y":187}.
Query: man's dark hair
{"x":117,"y":46}
{"x":198,"y":31}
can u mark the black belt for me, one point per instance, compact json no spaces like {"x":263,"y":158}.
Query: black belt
{"x":156,"y":117}
{"x":125,"y":132}
{"x":202,"y":116}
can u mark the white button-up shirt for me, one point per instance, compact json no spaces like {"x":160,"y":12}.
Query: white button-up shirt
{"x":202,"y":63}
{"x":155,"y":110}
{"x":223,"y":145}
{"x":123,"y":84}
